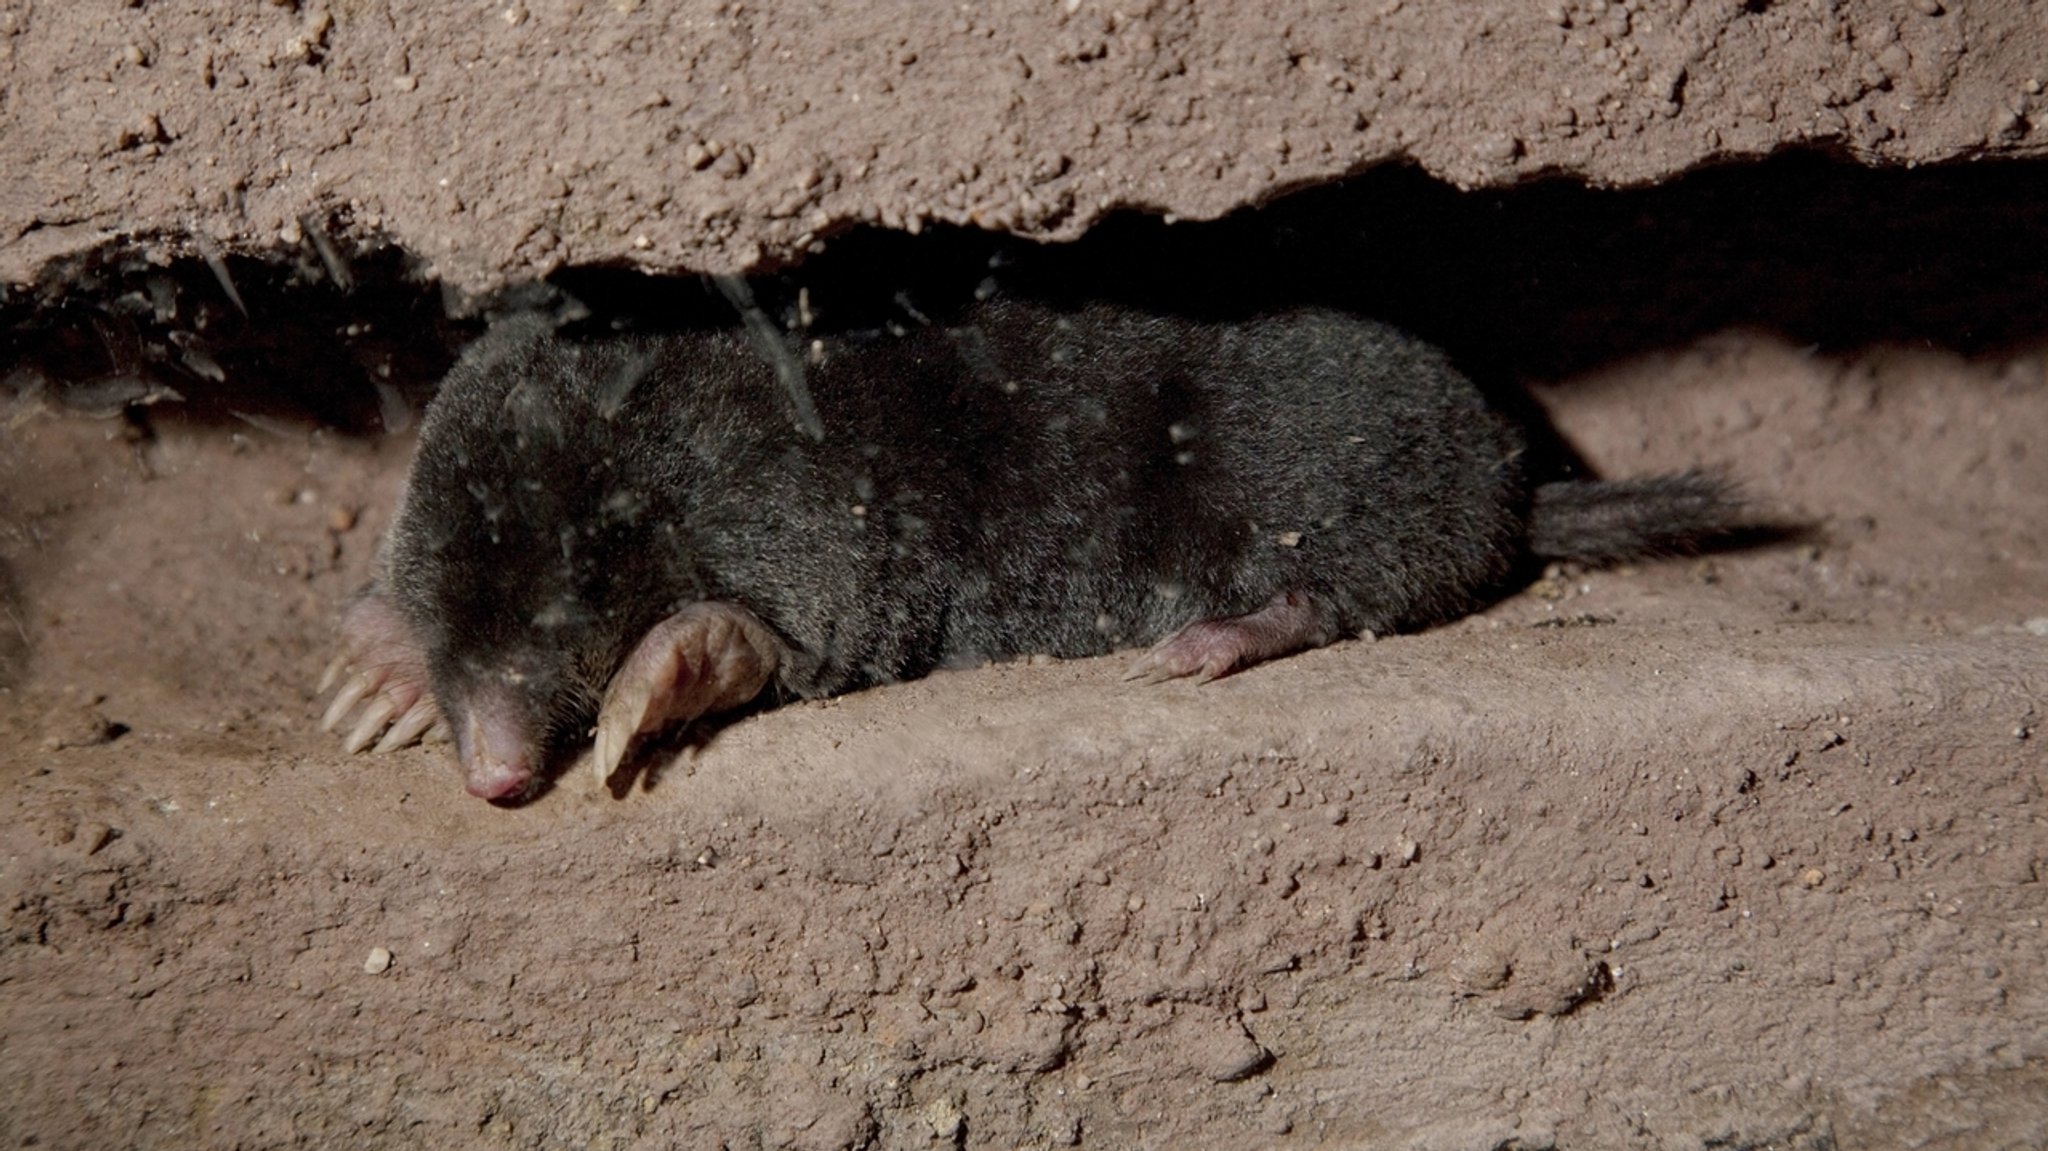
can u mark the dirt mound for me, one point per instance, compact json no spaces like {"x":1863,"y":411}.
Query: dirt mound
{"x":1737,"y":851}
{"x":501,"y":140}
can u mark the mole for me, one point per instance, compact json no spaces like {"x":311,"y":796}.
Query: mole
{"x":606,"y":537}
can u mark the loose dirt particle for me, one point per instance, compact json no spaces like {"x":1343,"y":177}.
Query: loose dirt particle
{"x":1223,"y":1051}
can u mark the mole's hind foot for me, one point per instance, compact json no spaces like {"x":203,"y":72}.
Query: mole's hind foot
{"x":386,"y":674}
{"x":1209,"y":648}
{"x":706,"y":658}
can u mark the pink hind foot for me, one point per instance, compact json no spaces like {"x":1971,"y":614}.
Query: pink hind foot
{"x":1206,"y":649}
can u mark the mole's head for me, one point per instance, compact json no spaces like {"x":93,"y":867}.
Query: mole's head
{"x":534,"y":547}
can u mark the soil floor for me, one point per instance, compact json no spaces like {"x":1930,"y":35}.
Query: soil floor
{"x":1744,"y":850}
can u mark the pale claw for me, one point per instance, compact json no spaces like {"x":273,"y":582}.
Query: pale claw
{"x":335,"y":667}
{"x":627,"y":703}
{"x":618,"y":722}
{"x":610,"y":750}
{"x":421,"y":716}
{"x":351,"y":694}
{"x":374,"y":718}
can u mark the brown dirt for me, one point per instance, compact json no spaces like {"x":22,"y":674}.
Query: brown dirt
{"x":1739,"y":851}
{"x":500,"y":139}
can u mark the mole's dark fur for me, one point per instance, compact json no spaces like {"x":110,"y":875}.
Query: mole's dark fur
{"x":1028,"y":481}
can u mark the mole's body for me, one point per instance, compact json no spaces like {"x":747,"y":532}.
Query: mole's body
{"x":633,"y":530}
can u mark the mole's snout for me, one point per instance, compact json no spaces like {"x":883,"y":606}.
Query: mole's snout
{"x":497,"y":756}
{"x":497,"y":779}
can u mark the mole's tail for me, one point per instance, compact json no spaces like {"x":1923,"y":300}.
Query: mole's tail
{"x":1602,"y":521}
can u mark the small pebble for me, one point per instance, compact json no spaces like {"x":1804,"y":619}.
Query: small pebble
{"x":1227,"y":1055}
{"x":378,"y":962}
{"x":1498,"y":147}
{"x":1481,"y":969}
{"x":93,"y":835}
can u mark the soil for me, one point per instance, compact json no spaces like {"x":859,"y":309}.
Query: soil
{"x":1744,"y":850}
{"x":500,"y":140}
{"x":1738,"y":851}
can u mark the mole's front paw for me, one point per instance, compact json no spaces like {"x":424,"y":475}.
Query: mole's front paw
{"x":386,"y":673}
{"x":706,"y":658}
{"x":1209,"y":648}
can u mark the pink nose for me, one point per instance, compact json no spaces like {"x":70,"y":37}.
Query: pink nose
{"x":497,"y":780}
{"x":497,"y":762}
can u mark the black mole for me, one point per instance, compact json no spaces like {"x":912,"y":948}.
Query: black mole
{"x":630,"y":530}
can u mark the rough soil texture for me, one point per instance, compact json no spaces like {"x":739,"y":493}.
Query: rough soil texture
{"x":1740,"y":851}
{"x":499,"y":139}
